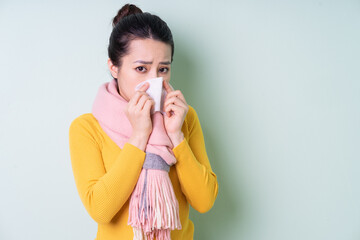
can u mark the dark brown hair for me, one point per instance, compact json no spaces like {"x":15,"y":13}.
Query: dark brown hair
{"x":131,"y":23}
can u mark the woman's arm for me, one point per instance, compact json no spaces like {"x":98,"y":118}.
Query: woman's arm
{"x":198,"y":181}
{"x":102,"y":193}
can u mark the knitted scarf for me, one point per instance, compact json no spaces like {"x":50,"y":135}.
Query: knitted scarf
{"x":153,"y":209}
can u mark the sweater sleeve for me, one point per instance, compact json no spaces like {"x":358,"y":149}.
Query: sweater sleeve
{"x":102,"y":193}
{"x":198,"y":181}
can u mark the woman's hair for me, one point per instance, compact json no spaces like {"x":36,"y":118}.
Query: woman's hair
{"x":131,"y":23}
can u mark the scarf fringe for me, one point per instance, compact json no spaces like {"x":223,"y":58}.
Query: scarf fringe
{"x":154,"y":209}
{"x":160,"y":234}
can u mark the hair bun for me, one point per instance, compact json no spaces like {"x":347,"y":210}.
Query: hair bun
{"x":126,"y":10}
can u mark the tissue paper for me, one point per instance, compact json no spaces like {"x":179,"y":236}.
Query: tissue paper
{"x":156,"y":91}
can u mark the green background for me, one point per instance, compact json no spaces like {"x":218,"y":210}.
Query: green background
{"x":276,"y":86}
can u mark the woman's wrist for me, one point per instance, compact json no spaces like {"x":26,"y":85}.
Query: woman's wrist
{"x":176,"y":138}
{"x":139,"y":141}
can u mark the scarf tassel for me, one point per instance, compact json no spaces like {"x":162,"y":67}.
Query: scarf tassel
{"x":154,"y":209}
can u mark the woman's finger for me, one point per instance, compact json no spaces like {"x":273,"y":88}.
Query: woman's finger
{"x":178,"y":94}
{"x":174,"y":108}
{"x":170,"y":91}
{"x":167,"y":87}
{"x":174,"y":100}
{"x":142,"y":101}
{"x":144,"y":87}
{"x":135,"y":98}
{"x":148,"y":105}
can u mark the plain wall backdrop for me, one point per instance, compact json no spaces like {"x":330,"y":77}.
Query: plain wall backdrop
{"x":275,"y":84}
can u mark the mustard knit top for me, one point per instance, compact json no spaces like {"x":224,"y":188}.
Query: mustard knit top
{"x":106,"y":175}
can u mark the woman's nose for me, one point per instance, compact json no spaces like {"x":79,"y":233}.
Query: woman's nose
{"x":153,"y":74}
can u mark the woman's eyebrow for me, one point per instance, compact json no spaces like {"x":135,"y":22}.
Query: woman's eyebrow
{"x":146,"y":62}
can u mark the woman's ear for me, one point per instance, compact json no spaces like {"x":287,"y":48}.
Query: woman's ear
{"x":113,"y":69}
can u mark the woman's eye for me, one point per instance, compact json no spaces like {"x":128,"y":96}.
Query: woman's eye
{"x":164,"y":70}
{"x":141,"y":69}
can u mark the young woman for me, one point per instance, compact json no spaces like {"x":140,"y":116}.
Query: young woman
{"x":137,"y":172}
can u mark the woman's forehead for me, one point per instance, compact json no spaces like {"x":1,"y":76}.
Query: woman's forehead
{"x":149,"y":50}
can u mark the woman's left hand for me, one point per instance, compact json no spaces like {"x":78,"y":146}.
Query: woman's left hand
{"x":175,"y":108}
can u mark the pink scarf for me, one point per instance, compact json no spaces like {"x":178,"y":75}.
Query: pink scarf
{"x":153,"y":209}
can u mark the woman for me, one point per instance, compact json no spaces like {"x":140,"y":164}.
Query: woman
{"x":136,"y":171}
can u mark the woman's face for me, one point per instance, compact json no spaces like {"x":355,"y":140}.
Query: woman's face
{"x":147,"y":58}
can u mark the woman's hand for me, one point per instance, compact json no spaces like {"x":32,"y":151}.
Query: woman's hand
{"x":175,"y":108}
{"x":138,"y":112}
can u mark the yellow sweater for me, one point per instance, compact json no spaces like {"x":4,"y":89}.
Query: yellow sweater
{"x":106,"y":175}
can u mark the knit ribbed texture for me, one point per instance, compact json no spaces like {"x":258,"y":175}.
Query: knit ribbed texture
{"x":105,"y":176}
{"x":153,"y":209}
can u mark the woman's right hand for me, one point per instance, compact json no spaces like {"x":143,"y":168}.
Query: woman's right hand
{"x":138,"y":112}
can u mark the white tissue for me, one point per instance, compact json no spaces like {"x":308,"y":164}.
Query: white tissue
{"x":156,"y":91}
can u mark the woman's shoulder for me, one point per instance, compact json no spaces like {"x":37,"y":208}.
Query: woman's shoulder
{"x":84,"y":118}
{"x":191,"y":117}
{"x":85,"y":121}
{"x":191,"y":113}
